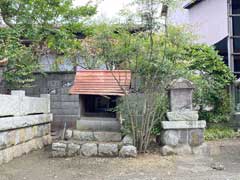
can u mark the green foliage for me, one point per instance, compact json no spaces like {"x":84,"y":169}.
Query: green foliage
{"x":211,"y":77}
{"x":218,"y":132}
{"x":21,"y":61}
{"x":37,"y":27}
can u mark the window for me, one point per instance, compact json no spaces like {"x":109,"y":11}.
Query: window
{"x":236,"y":63}
{"x":236,"y":45}
{"x":236,"y":26}
{"x":235,"y":6}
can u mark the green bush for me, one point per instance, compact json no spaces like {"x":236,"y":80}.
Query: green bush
{"x":211,"y":77}
{"x":219,"y":132}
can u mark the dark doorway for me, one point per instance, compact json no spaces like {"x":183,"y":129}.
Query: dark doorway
{"x":98,"y":106}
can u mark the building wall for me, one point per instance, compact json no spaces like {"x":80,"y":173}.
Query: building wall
{"x":208,"y":20}
{"x":64,"y":107}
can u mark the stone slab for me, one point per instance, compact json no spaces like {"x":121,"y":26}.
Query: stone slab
{"x":83,"y":135}
{"x":183,"y":116}
{"x":73,"y":149}
{"x":183,"y":124}
{"x":108,"y":150}
{"x":170,"y":137}
{"x":196,"y":137}
{"x":128,"y":151}
{"x":107,"y":136}
{"x":9,"y":123}
{"x":89,"y":149}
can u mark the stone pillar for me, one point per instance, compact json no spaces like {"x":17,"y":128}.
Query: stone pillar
{"x":183,"y":133}
{"x":3,"y":64}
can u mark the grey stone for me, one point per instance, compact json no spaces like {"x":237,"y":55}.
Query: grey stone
{"x":183,"y":116}
{"x":167,"y":150}
{"x":9,"y":123}
{"x":98,"y":125}
{"x":58,"y":154}
{"x":201,"y":150}
{"x":68,"y":134}
{"x":40,"y":131}
{"x":183,"y":150}
{"x":107,"y":136}
{"x":59,"y":146}
{"x":73,"y":149}
{"x":83,"y":136}
{"x":3,"y":140}
{"x":108,"y":150}
{"x":183,"y":124}
{"x":218,"y":166}
{"x":183,"y":136}
{"x":128,"y":151}
{"x":89,"y":149}
{"x":59,"y":149}
{"x":180,"y":94}
{"x":196,"y":137}
{"x":127,"y":140}
{"x":28,"y":133}
{"x":170,"y":137}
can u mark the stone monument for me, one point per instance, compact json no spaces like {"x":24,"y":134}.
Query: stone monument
{"x":183,"y":133}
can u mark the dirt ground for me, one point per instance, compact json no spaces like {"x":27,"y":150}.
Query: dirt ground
{"x":38,"y":166}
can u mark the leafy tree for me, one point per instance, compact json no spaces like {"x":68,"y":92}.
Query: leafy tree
{"x":212,"y":77}
{"x":39,"y":27}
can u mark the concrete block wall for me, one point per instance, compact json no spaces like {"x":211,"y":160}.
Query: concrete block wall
{"x":64,"y":107}
{"x":25,"y":124}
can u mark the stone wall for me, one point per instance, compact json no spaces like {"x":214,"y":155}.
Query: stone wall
{"x":24,"y":124}
{"x":64,"y":107}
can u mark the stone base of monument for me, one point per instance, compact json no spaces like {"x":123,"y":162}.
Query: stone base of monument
{"x":183,"y":138}
{"x":183,"y":133}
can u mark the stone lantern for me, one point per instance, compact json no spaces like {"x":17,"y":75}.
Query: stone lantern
{"x":183,"y":133}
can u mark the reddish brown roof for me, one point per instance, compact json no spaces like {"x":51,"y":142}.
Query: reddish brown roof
{"x":102,"y":82}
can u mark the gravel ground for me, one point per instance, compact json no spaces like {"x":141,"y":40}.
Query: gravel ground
{"x":38,"y":166}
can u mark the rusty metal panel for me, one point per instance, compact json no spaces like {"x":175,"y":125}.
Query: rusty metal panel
{"x":102,"y":82}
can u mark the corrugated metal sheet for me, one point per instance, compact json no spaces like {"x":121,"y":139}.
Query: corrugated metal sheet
{"x":102,"y":82}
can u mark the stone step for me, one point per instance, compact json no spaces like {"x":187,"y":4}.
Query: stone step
{"x":98,"y":125}
{"x":100,"y":136}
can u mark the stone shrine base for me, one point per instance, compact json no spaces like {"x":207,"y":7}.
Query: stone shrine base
{"x":183,"y":142}
{"x":94,"y":144}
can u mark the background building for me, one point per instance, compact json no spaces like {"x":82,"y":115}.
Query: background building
{"x":217,"y":23}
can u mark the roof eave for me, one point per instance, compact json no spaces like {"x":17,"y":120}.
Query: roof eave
{"x":191,"y":4}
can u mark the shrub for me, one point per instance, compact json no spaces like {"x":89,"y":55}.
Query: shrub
{"x":219,"y":132}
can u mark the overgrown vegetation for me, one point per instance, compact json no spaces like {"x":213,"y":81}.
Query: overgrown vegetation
{"x":211,"y":77}
{"x":218,"y":132}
